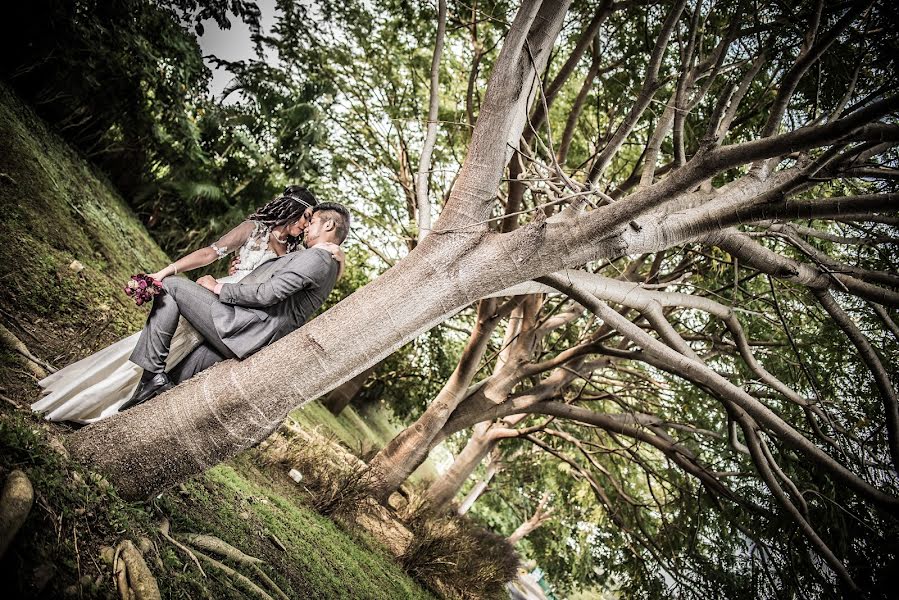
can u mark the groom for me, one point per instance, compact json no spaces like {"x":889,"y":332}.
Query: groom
{"x":237,"y":319}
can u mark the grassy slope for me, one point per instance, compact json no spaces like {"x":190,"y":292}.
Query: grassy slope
{"x":55,"y":210}
{"x":362,"y":432}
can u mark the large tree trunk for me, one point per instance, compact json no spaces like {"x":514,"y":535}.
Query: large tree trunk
{"x":235,"y":404}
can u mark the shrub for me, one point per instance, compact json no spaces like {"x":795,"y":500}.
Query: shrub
{"x":336,"y":481}
{"x":456,"y":558}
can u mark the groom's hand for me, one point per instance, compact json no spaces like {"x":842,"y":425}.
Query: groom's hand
{"x":210,"y":283}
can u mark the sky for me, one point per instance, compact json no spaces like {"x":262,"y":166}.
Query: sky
{"x":232,"y":44}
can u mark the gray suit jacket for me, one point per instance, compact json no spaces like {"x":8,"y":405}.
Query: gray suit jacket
{"x":273,"y":300}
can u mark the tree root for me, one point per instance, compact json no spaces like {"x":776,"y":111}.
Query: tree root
{"x":164,"y":530}
{"x":244,"y":582}
{"x":222,"y":548}
{"x":277,"y":542}
{"x":15,"y":504}
{"x":133,"y":576}
{"x":120,"y":575}
{"x":271,"y":584}
{"x":35,"y":366}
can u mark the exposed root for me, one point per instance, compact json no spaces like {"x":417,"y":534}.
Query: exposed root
{"x":245,"y":583}
{"x":220,"y":547}
{"x":15,"y":503}
{"x":223,"y":548}
{"x":271,"y":584}
{"x":120,"y":573}
{"x":139,"y":578}
{"x":107,"y":555}
{"x":35,"y":366}
{"x":164,"y":530}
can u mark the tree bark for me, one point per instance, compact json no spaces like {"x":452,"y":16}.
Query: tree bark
{"x":479,"y":488}
{"x":422,"y":176}
{"x":540,"y":516}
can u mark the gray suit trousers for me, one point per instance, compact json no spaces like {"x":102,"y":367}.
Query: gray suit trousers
{"x":201,"y":358}
{"x":181,"y":297}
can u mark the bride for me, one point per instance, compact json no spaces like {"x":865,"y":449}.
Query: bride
{"x":95,"y":387}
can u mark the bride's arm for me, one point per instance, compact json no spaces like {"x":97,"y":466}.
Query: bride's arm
{"x":227,"y":244}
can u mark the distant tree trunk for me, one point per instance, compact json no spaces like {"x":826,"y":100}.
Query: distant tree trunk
{"x":409,"y":449}
{"x":541,"y":515}
{"x":445,"y":488}
{"x":480,"y":487}
{"x":341,"y":396}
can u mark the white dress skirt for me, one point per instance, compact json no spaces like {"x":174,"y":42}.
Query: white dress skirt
{"x":95,"y":387}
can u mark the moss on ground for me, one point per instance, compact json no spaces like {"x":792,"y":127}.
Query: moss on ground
{"x":57,"y":210}
{"x":57,"y":553}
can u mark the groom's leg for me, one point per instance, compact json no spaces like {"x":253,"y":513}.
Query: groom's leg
{"x":181,"y":297}
{"x":201,"y":358}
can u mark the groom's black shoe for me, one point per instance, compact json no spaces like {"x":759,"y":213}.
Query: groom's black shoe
{"x":149,"y":388}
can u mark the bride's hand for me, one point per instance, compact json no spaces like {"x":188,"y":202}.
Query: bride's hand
{"x":232,"y":268}
{"x":158,"y":276}
{"x":336,"y":251}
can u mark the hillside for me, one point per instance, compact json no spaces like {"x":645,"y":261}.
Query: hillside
{"x":69,"y":244}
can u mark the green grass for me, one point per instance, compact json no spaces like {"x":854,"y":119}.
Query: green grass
{"x":76,"y":514}
{"x":244,"y":505}
{"x":362,"y":432}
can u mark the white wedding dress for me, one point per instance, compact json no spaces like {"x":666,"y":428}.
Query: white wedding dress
{"x":93,"y":388}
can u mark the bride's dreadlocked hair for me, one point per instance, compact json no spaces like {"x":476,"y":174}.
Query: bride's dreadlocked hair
{"x":286,"y":208}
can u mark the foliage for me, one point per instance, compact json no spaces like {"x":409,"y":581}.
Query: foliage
{"x":117,"y":78}
{"x":125,"y":83}
{"x":641,"y":525}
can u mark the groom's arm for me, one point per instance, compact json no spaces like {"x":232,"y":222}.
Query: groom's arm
{"x":306,"y":271}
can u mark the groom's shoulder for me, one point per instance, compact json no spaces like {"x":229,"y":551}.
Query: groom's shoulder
{"x":309,"y":254}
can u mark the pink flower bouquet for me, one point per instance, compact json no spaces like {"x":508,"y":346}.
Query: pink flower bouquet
{"x":142,"y":288}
